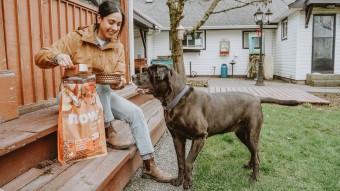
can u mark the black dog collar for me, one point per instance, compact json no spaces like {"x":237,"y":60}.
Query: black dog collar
{"x":177,"y":98}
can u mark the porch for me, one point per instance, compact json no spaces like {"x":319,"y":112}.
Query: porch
{"x":28,"y":150}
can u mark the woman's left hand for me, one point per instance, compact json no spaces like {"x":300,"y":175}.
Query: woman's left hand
{"x":119,"y":86}
{"x":142,"y":91}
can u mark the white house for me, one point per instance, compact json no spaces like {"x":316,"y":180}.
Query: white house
{"x":301,"y":38}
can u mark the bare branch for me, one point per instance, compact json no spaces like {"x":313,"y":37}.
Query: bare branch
{"x":240,"y":6}
{"x":204,"y":19}
{"x":213,"y":6}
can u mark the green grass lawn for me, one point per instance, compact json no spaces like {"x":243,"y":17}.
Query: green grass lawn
{"x":299,"y":150}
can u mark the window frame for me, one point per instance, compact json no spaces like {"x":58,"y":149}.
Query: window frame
{"x":243,"y":41}
{"x":194,"y":49}
{"x":284,"y":29}
{"x":203,"y":41}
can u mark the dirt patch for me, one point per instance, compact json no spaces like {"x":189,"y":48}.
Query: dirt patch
{"x":198,"y":83}
{"x":44,"y":164}
{"x":333,"y":98}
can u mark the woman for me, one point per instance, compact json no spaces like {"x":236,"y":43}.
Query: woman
{"x":98,"y":47}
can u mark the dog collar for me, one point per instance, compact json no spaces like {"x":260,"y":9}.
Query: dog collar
{"x":177,"y":98}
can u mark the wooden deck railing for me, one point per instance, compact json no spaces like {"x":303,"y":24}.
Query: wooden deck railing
{"x":29,"y":25}
{"x":25,"y":27}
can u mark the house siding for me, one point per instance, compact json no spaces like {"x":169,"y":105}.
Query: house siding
{"x":150,"y":45}
{"x":305,"y":39}
{"x":285,"y":50}
{"x":138,"y":48}
{"x":337,"y":45}
{"x":304,"y":46}
{"x":160,"y":44}
{"x":293,"y":57}
{"x":203,"y":62}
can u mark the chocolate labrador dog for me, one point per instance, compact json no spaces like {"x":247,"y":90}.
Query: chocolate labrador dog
{"x":196,"y":115}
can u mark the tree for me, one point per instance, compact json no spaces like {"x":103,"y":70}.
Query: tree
{"x":176,"y":8}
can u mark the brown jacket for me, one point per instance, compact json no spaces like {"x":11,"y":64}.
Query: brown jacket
{"x":82,"y":47}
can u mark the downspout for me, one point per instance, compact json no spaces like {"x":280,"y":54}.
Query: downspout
{"x":132,"y":40}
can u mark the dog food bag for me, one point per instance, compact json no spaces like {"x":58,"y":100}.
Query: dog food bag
{"x":81,"y":133}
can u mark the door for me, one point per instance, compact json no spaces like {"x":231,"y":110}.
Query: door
{"x":323,"y":44}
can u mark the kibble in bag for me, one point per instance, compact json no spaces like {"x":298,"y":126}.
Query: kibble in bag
{"x":81,"y":133}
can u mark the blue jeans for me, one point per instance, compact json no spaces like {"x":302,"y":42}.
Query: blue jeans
{"x":116,"y":107}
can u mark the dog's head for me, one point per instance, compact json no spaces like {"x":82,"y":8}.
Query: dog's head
{"x":157,"y":78}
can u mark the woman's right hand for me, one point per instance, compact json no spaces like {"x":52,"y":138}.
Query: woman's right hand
{"x":64,"y":60}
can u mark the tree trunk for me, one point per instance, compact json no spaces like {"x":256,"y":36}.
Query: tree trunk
{"x":177,"y":56}
{"x":176,"y":44}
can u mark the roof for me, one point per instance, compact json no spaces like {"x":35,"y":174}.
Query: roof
{"x":321,"y":3}
{"x":194,"y":10}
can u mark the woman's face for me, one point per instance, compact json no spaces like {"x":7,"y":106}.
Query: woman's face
{"x":109,"y":26}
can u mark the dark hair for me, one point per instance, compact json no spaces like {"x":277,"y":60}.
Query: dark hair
{"x":108,"y":7}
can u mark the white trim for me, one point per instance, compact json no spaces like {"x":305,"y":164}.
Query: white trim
{"x":131,"y":41}
{"x":283,"y":13}
{"x":238,"y":27}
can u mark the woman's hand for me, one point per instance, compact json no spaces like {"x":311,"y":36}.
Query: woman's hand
{"x":64,"y":60}
{"x":142,"y":91}
{"x":119,"y":86}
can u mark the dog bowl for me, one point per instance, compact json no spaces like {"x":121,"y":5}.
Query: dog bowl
{"x":108,"y":78}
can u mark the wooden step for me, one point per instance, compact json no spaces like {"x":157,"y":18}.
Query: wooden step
{"x":111,"y":172}
{"x":32,"y":138}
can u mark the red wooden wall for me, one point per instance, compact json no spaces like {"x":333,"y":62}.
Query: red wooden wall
{"x":28,"y":25}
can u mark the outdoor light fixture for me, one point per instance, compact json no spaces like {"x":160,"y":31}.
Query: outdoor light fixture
{"x":258,"y":16}
{"x":259,"y":20}
{"x":180,"y":32}
{"x":268,"y":16}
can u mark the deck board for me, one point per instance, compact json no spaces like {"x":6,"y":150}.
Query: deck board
{"x":96,"y":173}
{"x":275,"y":92}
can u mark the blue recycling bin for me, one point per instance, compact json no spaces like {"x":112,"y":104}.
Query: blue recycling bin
{"x":224,"y":71}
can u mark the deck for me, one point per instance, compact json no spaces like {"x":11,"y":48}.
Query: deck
{"x":28,"y":152}
{"x":274,"y":92}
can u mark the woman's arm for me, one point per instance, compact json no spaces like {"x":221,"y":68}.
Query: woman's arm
{"x":120,"y":67}
{"x":59,"y":53}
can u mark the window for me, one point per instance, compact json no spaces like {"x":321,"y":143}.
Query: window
{"x":195,"y":40}
{"x":284,"y":29}
{"x":324,"y":27}
{"x":246,"y":40}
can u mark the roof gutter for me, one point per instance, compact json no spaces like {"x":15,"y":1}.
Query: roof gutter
{"x":229,"y":27}
{"x":305,"y":3}
{"x":239,"y":27}
{"x":308,"y":6}
{"x":283,"y":13}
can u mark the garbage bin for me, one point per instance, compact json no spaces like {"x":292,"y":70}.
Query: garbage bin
{"x":224,"y":71}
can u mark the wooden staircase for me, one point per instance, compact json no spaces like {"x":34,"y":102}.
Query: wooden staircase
{"x":28,"y":152}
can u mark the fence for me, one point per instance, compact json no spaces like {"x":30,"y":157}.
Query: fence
{"x":28,"y":25}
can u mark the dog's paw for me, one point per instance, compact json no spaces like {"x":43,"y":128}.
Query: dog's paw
{"x":177,"y":181}
{"x":254,"y":177}
{"x":187,"y":184}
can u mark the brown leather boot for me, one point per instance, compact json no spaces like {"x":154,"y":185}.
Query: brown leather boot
{"x":115,"y":141}
{"x":151,"y":171}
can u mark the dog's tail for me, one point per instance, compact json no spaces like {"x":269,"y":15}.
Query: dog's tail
{"x":278,"y":101}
